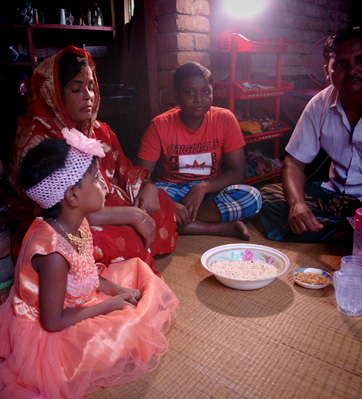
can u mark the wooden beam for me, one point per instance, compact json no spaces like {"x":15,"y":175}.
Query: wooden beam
{"x":151,"y":53}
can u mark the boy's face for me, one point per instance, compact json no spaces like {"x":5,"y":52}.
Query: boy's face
{"x":344,"y":69}
{"x":195,"y":97}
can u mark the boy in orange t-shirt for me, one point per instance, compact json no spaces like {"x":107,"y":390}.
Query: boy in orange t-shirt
{"x":196,"y":151}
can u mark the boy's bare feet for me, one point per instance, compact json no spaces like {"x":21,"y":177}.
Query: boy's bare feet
{"x":228,"y":229}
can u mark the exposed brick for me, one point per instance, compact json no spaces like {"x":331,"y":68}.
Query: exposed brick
{"x":186,"y":41}
{"x":322,"y":3}
{"x":293,"y":60}
{"x":294,"y":71}
{"x":298,"y":8}
{"x":301,"y":48}
{"x":184,"y":36}
{"x":284,"y":21}
{"x":302,"y":36}
{"x":202,"y":7}
{"x":174,"y":42}
{"x":201,"y":57}
{"x":187,"y":23}
{"x":185,"y":7}
{"x":202,"y":42}
{"x":307,"y":24}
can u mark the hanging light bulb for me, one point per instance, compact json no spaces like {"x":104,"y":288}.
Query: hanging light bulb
{"x":244,"y":9}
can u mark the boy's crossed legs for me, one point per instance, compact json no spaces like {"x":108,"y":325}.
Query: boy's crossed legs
{"x":220,"y":213}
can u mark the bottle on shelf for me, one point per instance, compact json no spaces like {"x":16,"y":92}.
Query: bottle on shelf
{"x":89,"y":17}
{"x":70,"y":19}
{"x":62,"y":17}
{"x":35,"y":17}
{"x":99,"y":17}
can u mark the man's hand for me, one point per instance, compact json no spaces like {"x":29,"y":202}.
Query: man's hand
{"x":301,"y":219}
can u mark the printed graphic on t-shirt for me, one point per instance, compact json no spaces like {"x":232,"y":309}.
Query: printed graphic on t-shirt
{"x":197,"y":164}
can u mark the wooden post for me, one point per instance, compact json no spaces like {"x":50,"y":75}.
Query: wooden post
{"x":151,"y":53}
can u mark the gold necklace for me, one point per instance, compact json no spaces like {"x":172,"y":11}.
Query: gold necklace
{"x":80,"y":242}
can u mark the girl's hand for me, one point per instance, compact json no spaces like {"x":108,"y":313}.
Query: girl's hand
{"x":53,"y":271}
{"x":131,"y":295}
{"x":193,"y":199}
{"x":146,"y":227}
{"x":110,"y":288}
{"x":147,"y":199}
{"x":126,"y":297}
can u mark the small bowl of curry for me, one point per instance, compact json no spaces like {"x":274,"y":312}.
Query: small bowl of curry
{"x":312,"y":278}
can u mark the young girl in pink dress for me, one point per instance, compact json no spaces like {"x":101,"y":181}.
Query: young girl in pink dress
{"x":69,"y":325}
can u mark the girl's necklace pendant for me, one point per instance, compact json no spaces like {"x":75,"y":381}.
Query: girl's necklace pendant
{"x":80,"y":242}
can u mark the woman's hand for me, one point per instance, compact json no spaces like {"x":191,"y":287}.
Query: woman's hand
{"x":193,"y":199}
{"x":146,"y":227}
{"x":147,"y":199}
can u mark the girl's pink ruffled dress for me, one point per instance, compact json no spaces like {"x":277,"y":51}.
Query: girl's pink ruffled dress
{"x":108,"y":350}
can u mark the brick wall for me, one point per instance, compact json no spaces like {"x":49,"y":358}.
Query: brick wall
{"x":183,"y":34}
{"x":303,"y":21}
{"x":183,"y":29}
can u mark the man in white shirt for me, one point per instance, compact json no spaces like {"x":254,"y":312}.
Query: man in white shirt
{"x":305,"y":211}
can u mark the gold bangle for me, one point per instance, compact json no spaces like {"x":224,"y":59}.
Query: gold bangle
{"x":140,"y":224}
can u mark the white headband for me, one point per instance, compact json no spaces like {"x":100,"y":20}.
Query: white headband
{"x":52,"y":188}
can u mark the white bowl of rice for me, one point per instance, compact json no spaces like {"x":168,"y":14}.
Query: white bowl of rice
{"x":245,"y":266}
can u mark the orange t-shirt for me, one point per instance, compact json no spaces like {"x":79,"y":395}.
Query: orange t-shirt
{"x":187,"y":155}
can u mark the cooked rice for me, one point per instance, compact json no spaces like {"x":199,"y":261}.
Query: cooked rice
{"x":246,"y":270}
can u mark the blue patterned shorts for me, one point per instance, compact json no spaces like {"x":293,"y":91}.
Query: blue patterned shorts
{"x":236,"y":202}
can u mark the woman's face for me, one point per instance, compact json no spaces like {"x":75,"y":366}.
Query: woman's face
{"x":78,"y":96}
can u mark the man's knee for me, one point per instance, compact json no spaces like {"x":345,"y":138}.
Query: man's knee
{"x":275,"y":206}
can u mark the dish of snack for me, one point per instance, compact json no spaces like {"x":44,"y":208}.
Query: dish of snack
{"x":312,"y":278}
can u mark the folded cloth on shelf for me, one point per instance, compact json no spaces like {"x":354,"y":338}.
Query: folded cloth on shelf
{"x":258,"y":164}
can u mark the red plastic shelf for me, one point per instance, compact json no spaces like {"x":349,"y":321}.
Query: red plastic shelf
{"x":221,"y":90}
{"x":273,"y":134}
{"x":222,"y":43}
{"x":267,"y":176}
